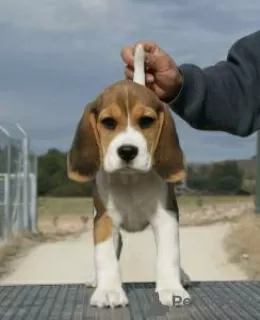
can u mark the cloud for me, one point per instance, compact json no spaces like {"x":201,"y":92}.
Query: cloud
{"x":56,"y":55}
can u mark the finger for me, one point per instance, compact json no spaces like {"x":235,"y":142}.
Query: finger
{"x":151,"y":61}
{"x":148,"y":46}
{"x":149,"y":78}
{"x":127,"y":54}
{"x":150,"y":86}
{"x":129,"y":74}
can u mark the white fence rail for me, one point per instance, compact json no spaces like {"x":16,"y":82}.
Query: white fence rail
{"x":18,"y":183}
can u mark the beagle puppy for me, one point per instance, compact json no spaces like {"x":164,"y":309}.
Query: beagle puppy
{"x":126,"y":143}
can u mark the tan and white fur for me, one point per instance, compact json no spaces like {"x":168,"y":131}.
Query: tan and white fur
{"x":126,"y":143}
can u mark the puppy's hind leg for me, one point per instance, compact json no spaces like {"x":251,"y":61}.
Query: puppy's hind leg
{"x":185,"y":279}
{"x":92,"y":282}
{"x":118,"y":244}
{"x":173,"y":206}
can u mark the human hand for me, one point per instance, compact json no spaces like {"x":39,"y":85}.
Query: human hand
{"x":162,"y":73}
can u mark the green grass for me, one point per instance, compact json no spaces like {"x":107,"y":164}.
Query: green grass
{"x":191,"y":201}
{"x":49,"y":206}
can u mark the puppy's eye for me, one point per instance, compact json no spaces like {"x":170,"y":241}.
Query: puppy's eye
{"x":146,"y":122}
{"x":109,"y":123}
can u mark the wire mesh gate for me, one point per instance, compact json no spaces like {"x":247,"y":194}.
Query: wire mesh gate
{"x":18,"y":182}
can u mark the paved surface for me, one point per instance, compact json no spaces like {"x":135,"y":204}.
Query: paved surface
{"x":210,"y":300}
{"x":71,"y":261}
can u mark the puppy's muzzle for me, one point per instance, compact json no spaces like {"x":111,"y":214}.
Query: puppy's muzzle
{"x":127,"y":152}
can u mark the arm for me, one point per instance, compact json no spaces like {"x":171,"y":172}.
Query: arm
{"x":226,"y":96}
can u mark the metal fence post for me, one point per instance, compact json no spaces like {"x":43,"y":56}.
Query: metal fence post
{"x":34,"y":209}
{"x":257,"y":191}
{"x":25,"y":148}
{"x":7,"y":189}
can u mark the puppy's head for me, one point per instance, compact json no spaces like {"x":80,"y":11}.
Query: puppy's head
{"x":126,"y":129}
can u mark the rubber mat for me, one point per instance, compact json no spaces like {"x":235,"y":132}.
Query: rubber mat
{"x":210,"y":300}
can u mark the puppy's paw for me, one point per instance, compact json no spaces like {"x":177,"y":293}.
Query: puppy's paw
{"x":109,"y":298}
{"x":173,"y":296}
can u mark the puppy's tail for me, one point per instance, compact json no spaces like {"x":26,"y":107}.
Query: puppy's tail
{"x":139,"y":72}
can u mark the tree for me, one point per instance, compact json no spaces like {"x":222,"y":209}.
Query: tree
{"x":53,"y":179}
{"x":226,"y":177}
{"x":197,"y":178}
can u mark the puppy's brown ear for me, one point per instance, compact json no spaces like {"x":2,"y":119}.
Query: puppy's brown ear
{"x":83,"y":159}
{"x":168,"y":157}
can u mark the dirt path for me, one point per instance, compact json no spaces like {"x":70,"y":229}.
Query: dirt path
{"x":71,"y":261}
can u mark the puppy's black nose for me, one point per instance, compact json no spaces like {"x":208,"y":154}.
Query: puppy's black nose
{"x":127,"y":152}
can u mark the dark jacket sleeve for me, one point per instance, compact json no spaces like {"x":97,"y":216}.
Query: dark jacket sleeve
{"x":226,"y":96}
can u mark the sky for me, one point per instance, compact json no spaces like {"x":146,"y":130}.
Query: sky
{"x":57,"y":55}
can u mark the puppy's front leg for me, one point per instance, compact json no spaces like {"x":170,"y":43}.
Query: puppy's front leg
{"x":118,"y":243}
{"x":109,"y":291}
{"x":166,"y":231}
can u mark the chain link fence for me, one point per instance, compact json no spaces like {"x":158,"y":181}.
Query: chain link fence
{"x":18,"y":183}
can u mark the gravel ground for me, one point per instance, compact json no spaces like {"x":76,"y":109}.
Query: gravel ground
{"x":71,"y":260}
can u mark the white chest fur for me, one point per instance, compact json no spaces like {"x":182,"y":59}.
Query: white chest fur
{"x":131,"y":200}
